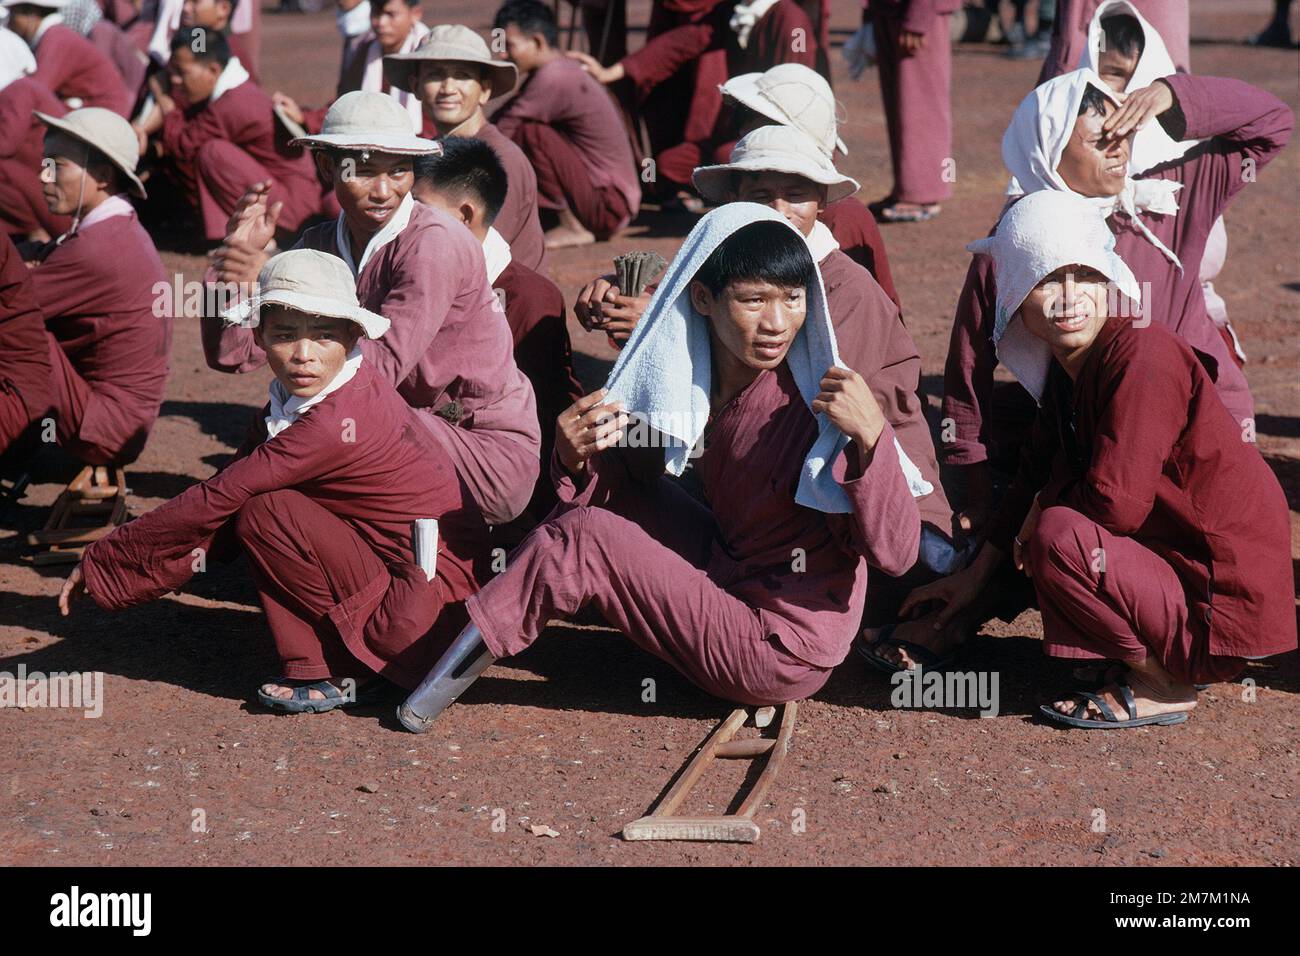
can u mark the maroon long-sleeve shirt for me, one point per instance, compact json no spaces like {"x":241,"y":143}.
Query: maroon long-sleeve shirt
{"x":1245,"y":128}
{"x":362,"y":453}
{"x":803,"y":571}
{"x":874,"y":343}
{"x":99,"y":292}
{"x":448,"y":352}
{"x":24,"y":348}
{"x":244,"y":117}
{"x":1140,"y":443}
{"x":562,"y":95}
{"x":855,"y":229}
{"x":74,"y":68}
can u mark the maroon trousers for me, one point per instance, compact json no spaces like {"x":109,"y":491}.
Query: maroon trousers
{"x":642,"y":568}
{"x":313,"y":572}
{"x":222,"y":174}
{"x":1107,"y":596}
{"x":564,"y":181}
{"x":72,"y":394}
{"x":916,"y":91}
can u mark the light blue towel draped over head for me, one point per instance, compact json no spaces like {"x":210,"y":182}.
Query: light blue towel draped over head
{"x":663,"y":374}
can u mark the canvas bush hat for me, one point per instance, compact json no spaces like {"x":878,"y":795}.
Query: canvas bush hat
{"x":791,"y":94}
{"x":367,"y":121}
{"x":108,"y":133}
{"x":310,"y":281}
{"x":775,"y":149}
{"x":449,"y":43}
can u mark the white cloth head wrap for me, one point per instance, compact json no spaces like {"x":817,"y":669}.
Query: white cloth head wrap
{"x":1038,"y":134}
{"x":664,"y":374}
{"x":1029,"y":245}
{"x":1152,"y":146}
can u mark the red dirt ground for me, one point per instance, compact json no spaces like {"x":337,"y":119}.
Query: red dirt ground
{"x":560,"y":736}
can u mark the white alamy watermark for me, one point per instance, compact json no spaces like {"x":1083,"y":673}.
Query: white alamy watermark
{"x":74,"y":908}
{"x":76,"y":690}
{"x":943,"y":690}
{"x":181,"y":299}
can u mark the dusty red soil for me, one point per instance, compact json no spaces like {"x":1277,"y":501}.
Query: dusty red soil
{"x":560,"y":736}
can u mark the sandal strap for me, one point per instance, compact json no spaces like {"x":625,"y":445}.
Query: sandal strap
{"x":1129,"y":701}
{"x":1106,"y":712}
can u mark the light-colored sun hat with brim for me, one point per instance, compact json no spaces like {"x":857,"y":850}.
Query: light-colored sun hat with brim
{"x":310,"y":281}
{"x":108,"y":133}
{"x":774,"y":149}
{"x":44,"y":4}
{"x":449,"y":43}
{"x":791,"y":94}
{"x":369,"y":122}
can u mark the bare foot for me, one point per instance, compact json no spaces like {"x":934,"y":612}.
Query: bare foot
{"x":570,"y":232}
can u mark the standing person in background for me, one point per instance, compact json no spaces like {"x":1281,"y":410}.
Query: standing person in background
{"x":914,"y":52}
{"x":1278,"y":31}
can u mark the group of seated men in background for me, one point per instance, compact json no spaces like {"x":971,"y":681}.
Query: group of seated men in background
{"x":756,"y":490}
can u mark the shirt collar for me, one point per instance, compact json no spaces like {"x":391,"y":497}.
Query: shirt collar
{"x":496,"y":253}
{"x":54,"y":19}
{"x":287,"y":409}
{"x":392,"y":229}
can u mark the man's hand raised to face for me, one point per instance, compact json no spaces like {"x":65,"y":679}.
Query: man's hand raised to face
{"x":1138,"y":109}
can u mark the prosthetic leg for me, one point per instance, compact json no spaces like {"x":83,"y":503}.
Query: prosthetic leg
{"x":459,"y":667}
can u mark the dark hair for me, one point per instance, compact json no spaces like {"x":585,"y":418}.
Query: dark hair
{"x":466,"y":165}
{"x":763,"y":251}
{"x":206,"y":45}
{"x":1124,"y":34}
{"x":1094,"y":100}
{"x":530,"y":17}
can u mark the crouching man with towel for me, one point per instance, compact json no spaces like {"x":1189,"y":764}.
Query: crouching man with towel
{"x":323,"y":504}
{"x":758,"y":594}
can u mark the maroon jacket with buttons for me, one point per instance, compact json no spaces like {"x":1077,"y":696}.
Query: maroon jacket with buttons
{"x":1141,"y":444}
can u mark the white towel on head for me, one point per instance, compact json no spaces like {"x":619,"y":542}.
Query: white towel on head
{"x":1030,"y":245}
{"x":1038,"y":134}
{"x":1151,"y":144}
{"x":663,"y":376}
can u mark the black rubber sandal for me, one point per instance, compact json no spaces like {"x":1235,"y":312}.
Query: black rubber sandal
{"x":1108,"y":720}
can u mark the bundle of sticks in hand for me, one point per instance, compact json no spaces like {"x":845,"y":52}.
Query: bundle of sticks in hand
{"x":633,"y":271}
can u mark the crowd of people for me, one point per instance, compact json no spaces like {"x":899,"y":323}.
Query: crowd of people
{"x":756,"y":491}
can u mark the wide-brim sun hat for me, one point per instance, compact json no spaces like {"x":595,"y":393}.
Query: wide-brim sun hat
{"x":106,"y":132}
{"x":449,"y":43}
{"x":774,"y":149}
{"x":310,"y":281}
{"x":791,"y":94}
{"x":369,"y":122}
